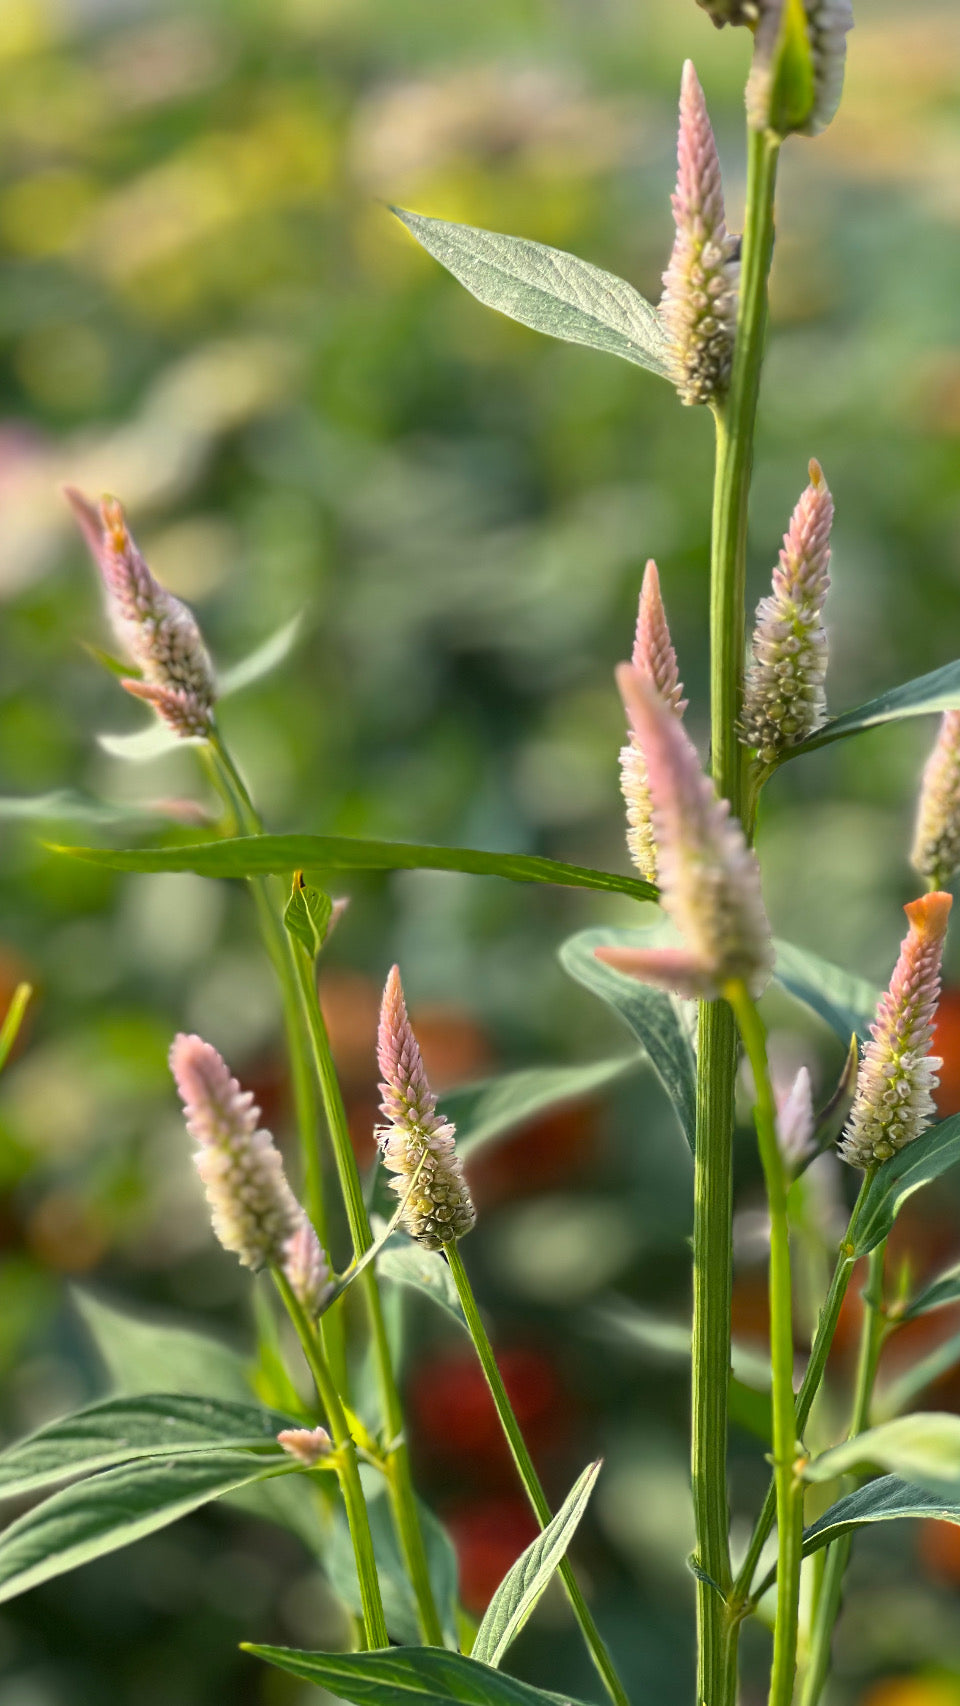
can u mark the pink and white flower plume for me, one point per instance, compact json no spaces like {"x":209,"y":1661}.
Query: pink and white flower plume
{"x":159,"y":633}
{"x":795,"y":1120}
{"x":784,"y":699}
{"x":254,"y":1212}
{"x":655,"y":661}
{"x":936,"y":841}
{"x":828,"y":24}
{"x":700,"y":286}
{"x":417,"y":1142}
{"x":308,"y":1445}
{"x":894,"y":1102}
{"x":709,"y":877}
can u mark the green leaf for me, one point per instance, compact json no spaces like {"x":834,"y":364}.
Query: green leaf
{"x":307,"y":915}
{"x":941,"y":1291}
{"x":661,"y":1340}
{"x":655,"y":1018}
{"x":900,"y":1393}
{"x":406,"y":1262}
{"x":145,"y":1354}
{"x":897,"y":1179}
{"x":421,"y":1676}
{"x":884,"y":1500}
{"x":63,"y":806}
{"x":526,"y":1581}
{"x":143,"y":744}
{"x":927,"y":694}
{"x":123,"y":1430}
{"x":281,"y":855}
{"x":848,"y":1003}
{"x":265,"y":658}
{"x":399,"y":1602}
{"x":924,"y":1448}
{"x":13,"y":1019}
{"x":546,"y":289}
{"x":119,"y":1506}
{"x":488,"y":1110}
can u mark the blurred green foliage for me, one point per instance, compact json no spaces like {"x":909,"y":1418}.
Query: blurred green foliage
{"x":206,"y":309}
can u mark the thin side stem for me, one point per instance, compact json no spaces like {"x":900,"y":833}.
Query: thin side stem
{"x":374,"y":1623}
{"x":872,"y":1336}
{"x":789,"y":1485}
{"x":399,"y":1476}
{"x":717,"y":1049}
{"x":527,"y":1472}
{"x":809,"y":1387}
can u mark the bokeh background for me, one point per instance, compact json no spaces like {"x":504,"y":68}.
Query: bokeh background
{"x":206,"y":308}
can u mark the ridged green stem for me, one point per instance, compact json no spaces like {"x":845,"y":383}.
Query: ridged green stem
{"x":397,"y":1462}
{"x":374,"y":1623}
{"x":838,"y":1554}
{"x":717,"y":1047}
{"x":789,"y":1486}
{"x":528,"y":1474}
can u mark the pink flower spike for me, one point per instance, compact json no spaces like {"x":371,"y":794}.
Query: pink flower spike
{"x":894,"y":1102}
{"x":936,"y":842}
{"x":655,"y":660}
{"x":784,"y":698}
{"x":795,"y":1120}
{"x":183,"y":713}
{"x":253,"y":1209}
{"x":709,"y":877}
{"x":306,"y":1269}
{"x":700,"y":285}
{"x":417,"y":1142}
{"x":158,"y":631}
{"x":307,"y":1445}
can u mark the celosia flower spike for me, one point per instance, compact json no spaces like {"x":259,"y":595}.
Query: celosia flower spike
{"x":784,"y":699}
{"x":699,"y":302}
{"x":306,"y":1269}
{"x":158,"y":631}
{"x":709,"y":877}
{"x":795,"y":1120}
{"x":307,"y":1445}
{"x":416,"y":1142}
{"x":936,"y":842}
{"x":254,"y":1212}
{"x":893,"y":1102}
{"x":656,"y":661}
{"x":828,"y":23}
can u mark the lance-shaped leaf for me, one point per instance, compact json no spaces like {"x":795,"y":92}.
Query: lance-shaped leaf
{"x":899,"y":1394}
{"x":406,"y":1262}
{"x":923,"y":1448}
{"x":13,"y":1019}
{"x":144,"y":1354}
{"x":125,"y":1430}
{"x":413,"y":1676}
{"x":119,"y":1506}
{"x":655,"y":1018}
{"x":490,"y":1109}
{"x":887,"y":1499}
{"x":927,"y":694}
{"x":945,"y":1289}
{"x":307,"y":915}
{"x":846,"y":1002}
{"x":281,"y":855}
{"x":915,"y":1166}
{"x":526,"y":1581}
{"x":399,"y":1602}
{"x":546,"y":289}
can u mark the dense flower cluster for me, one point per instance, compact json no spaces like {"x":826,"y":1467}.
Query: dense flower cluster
{"x":828,"y":23}
{"x":699,"y":303}
{"x":307,"y":1445}
{"x":936,"y":842}
{"x":655,"y":661}
{"x":417,"y":1143}
{"x":894,"y":1102}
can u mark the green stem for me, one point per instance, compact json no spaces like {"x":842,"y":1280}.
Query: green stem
{"x":838,"y":1555}
{"x":230,"y":785}
{"x":527,"y":1472}
{"x":716,"y":1055}
{"x":397,"y":1460}
{"x":374,"y":1623}
{"x":788,"y":1484}
{"x":809,"y":1387}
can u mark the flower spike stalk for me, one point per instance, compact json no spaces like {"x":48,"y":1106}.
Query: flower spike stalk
{"x":894,"y":1102}
{"x":710,"y":880}
{"x":784,"y":700}
{"x":655,"y":661}
{"x":699,"y":303}
{"x":936,"y":842}
{"x":159,"y":633}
